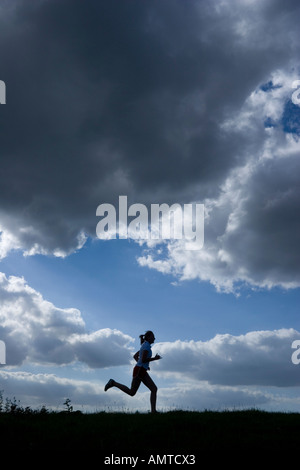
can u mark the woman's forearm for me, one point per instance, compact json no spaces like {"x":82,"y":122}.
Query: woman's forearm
{"x":155,"y":358}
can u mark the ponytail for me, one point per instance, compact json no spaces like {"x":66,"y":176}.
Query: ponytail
{"x":142,"y":338}
{"x":145,"y":336}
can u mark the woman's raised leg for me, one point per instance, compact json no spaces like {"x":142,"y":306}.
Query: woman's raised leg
{"x":136,"y":382}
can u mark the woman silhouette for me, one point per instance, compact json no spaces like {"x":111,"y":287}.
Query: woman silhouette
{"x":140,"y":374}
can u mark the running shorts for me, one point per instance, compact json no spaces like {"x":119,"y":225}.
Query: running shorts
{"x":139,"y":372}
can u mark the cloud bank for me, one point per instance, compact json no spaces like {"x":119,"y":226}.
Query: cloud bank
{"x":36,"y":331}
{"x":251,"y":370}
{"x":261,"y":358}
{"x":37,"y":390}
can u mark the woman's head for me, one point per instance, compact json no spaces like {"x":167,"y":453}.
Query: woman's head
{"x":148,"y":336}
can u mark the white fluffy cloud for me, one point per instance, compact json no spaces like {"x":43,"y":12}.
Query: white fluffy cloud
{"x":35,"y":330}
{"x":258,"y":358}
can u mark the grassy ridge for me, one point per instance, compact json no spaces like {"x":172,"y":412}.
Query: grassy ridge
{"x":170,"y":432}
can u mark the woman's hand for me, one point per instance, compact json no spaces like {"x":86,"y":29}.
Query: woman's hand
{"x":136,"y":356}
{"x":157,"y":356}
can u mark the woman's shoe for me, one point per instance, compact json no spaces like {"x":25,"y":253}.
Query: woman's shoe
{"x":109,"y":384}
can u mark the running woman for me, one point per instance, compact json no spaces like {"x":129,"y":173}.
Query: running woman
{"x":140,"y":374}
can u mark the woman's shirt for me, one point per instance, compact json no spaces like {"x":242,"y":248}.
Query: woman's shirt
{"x":145,"y":347}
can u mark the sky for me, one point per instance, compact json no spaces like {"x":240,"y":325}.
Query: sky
{"x":174,"y":102}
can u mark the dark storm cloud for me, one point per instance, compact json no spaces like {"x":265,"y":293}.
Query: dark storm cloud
{"x":107,"y":98}
{"x":251,"y":228}
{"x":266,"y":240}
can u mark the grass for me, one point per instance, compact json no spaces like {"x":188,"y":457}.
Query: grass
{"x":182,"y":432}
